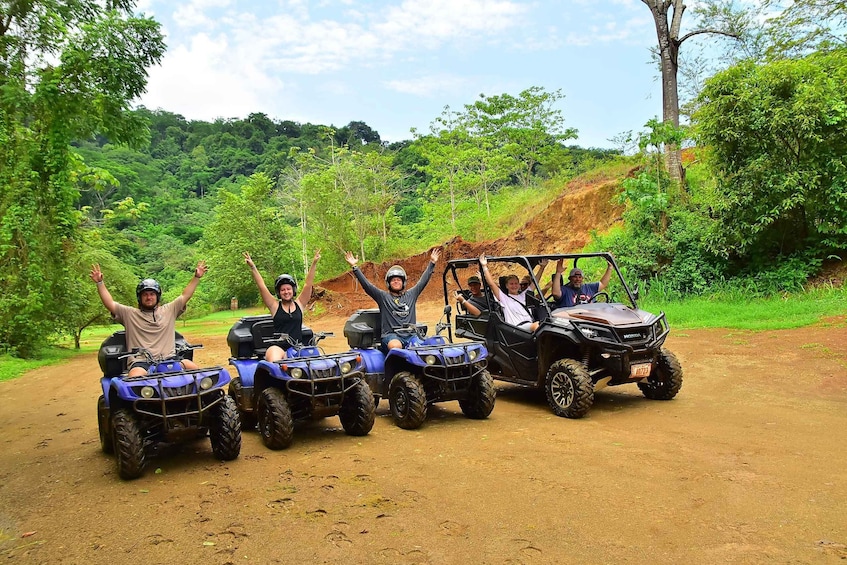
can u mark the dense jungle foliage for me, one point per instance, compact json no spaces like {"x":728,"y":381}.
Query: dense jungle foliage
{"x":88,"y":179}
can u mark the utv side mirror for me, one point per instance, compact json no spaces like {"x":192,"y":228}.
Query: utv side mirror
{"x":635,"y":292}
{"x":448,"y":309}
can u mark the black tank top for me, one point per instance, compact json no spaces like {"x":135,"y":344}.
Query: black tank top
{"x":291,"y":324}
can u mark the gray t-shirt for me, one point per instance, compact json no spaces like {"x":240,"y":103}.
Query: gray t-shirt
{"x":153,"y":330}
{"x":395,"y":310}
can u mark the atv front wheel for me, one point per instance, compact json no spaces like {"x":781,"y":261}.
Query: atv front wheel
{"x":665,"y":380}
{"x":276,"y":425}
{"x":106,"y":443}
{"x":357,"y":410}
{"x":128,"y":444}
{"x":225,"y":430}
{"x":570,"y":392}
{"x":479,"y":401}
{"x":407,"y":400}
{"x":236,"y":392}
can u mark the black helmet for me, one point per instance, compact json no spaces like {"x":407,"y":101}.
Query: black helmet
{"x":148,"y":284}
{"x":395,"y":271}
{"x":285,"y":279}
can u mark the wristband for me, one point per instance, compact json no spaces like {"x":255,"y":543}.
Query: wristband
{"x":100,"y":282}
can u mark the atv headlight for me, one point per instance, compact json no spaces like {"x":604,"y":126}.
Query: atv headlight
{"x":346,"y":367}
{"x":297,"y":372}
{"x":473,"y":354}
{"x":206,"y":383}
{"x":430,"y":359}
{"x":147,"y":392}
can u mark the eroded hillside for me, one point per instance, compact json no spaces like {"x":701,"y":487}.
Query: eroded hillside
{"x":565,"y":225}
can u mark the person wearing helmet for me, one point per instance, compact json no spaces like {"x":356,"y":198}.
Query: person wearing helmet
{"x":287,"y":311}
{"x":577,"y":291}
{"x":396,"y":305}
{"x":151,"y":325}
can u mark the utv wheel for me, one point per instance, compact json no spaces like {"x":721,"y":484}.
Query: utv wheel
{"x":225,"y":430}
{"x":570,"y":392}
{"x":357,"y":410}
{"x":106,"y":443}
{"x":666,"y":379}
{"x":236,"y":392}
{"x":276,"y":426}
{"x":407,"y":400}
{"x":128,"y":444}
{"x":479,"y":401}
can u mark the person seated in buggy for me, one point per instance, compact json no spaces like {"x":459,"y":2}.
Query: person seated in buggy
{"x":475,"y":303}
{"x":150,"y":326}
{"x":512,"y":299}
{"x":577,"y":291}
{"x":287,"y":312}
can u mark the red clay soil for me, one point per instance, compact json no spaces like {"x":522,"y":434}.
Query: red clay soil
{"x":565,"y":225}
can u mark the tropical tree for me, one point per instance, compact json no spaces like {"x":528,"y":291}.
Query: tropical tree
{"x":526,"y":127}
{"x":802,"y":26}
{"x":68,"y":70}
{"x":248,"y":221}
{"x":777,"y":141}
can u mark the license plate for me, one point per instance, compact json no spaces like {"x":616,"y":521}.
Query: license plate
{"x":640,"y":370}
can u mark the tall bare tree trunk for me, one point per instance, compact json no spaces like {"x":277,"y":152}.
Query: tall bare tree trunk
{"x":668,"y":37}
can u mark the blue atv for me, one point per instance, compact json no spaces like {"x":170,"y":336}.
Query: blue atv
{"x":307,"y":385}
{"x":168,"y":405}
{"x":430,"y":370}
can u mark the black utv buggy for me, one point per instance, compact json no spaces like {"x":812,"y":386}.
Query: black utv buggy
{"x":575,"y":350}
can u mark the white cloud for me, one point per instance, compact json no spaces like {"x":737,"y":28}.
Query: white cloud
{"x":206,"y":76}
{"x":427,"y":86}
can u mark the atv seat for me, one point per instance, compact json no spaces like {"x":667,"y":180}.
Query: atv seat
{"x":262,"y":332}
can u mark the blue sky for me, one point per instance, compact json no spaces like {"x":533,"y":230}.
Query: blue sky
{"x":395,"y":64}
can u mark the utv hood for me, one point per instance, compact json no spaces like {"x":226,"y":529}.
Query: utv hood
{"x":616,"y":315}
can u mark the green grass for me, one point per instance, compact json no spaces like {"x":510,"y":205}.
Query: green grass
{"x":756,"y":314}
{"x":12,"y":367}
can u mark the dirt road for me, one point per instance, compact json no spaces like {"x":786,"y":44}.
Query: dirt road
{"x":747,"y":465}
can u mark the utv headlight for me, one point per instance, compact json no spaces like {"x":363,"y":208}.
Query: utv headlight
{"x":147,"y":392}
{"x":431,"y":359}
{"x":596,"y":333}
{"x":473,"y":354}
{"x":297,"y":372}
{"x":206,"y":383}
{"x":346,"y":367}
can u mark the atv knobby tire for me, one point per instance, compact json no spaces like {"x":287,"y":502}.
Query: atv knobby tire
{"x":128,"y":444}
{"x":570,"y":392}
{"x":107,"y":445}
{"x":225,"y":429}
{"x":276,"y":425}
{"x":236,"y":392}
{"x":479,"y":401}
{"x":666,"y":379}
{"x":407,"y":401}
{"x":357,"y":410}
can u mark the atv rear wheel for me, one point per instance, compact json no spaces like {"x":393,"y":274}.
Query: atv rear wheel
{"x":407,"y":400}
{"x":479,"y":401}
{"x":128,"y":444}
{"x":665,"y":380}
{"x":106,"y":443}
{"x":225,"y":430}
{"x":570,"y":392}
{"x":276,"y":425}
{"x":357,"y":410}
{"x":236,"y":392}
